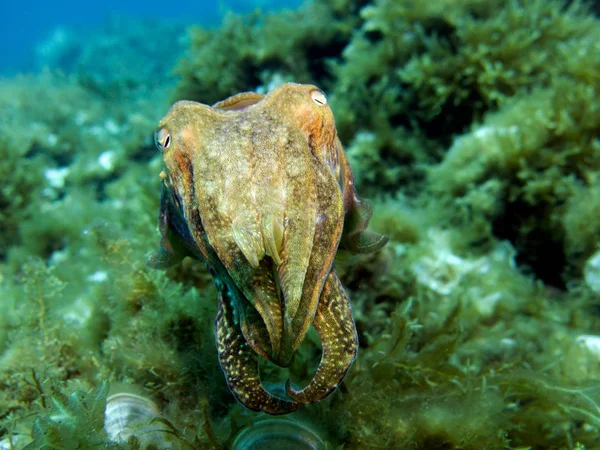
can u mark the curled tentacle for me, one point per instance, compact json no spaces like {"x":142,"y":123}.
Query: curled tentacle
{"x":337,"y":331}
{"x":240,"y":363}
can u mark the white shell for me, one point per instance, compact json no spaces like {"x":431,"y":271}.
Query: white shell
{"x":277,"y":434}
{"x":129,"y":415}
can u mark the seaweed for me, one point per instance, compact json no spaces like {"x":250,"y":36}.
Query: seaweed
{"x":258,"y":51}
{"x":492,"y":362}
{"x":76,"y":422}
{"x":473,"y":124}
{"x":530,"y":161}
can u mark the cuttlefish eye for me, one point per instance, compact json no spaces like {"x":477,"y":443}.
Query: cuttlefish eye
{"x":318,"y":97}
{"x":162,"y":139}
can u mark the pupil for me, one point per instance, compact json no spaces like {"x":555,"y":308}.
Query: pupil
{"x":167,"y":142}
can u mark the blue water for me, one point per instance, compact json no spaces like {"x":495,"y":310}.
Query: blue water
{"x":29,"y":25}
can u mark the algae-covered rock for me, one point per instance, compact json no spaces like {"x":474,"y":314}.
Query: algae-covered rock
{"x":540,"y":152}
{"x":473,"y":123}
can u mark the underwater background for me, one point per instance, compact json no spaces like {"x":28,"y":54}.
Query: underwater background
{"x":473,"y":125}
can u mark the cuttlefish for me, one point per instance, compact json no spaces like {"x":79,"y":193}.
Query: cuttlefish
{"x":259,"y":187}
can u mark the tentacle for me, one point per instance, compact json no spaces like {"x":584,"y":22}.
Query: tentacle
{"x":240,"y":363}
{"x":337,"y":331}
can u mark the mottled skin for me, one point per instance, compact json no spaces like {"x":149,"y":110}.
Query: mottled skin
{"x":259,"y":187}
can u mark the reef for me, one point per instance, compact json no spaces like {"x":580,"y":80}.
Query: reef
{"x":473,"y":124}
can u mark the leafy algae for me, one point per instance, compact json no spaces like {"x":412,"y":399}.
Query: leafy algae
{"x":474,"y":124}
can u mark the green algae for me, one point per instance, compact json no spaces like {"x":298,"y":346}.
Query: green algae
{"x":532,"y":159}
{"x":473,"y":123}
{"x":257,"y":50}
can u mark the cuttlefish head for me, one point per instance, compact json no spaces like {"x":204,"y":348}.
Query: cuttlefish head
{"x":259,"y":185}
